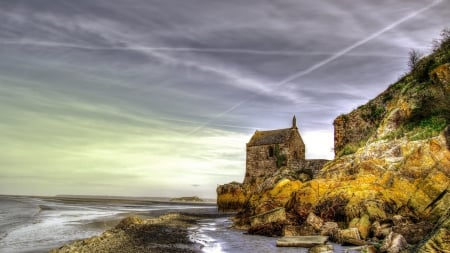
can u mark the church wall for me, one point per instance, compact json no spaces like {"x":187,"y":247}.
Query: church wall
{"x":297,"y":148}
{"x":259,"y":162}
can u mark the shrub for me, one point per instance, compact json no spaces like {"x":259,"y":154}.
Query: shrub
{"x":414,"y":57}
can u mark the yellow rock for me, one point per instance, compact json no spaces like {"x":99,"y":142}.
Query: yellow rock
{"x":362,"y":224}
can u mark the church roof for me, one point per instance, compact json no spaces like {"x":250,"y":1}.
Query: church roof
{"x":270,"y":137}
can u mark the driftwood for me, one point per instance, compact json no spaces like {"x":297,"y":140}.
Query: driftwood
{"x":301,"y":241}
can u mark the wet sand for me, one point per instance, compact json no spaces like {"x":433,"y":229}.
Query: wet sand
{"x":167,"y":233}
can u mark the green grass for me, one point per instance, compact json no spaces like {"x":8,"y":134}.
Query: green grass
{"x":420,"y":130}
{"x":351,"y":148}
{"x":428,"y":128}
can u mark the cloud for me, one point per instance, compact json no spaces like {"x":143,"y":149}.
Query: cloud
{"x":135,"y":98}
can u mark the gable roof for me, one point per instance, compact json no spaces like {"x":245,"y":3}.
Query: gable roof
{"x":270,"y":137}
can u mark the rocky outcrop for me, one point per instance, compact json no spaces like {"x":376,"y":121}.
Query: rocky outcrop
{"x":390,"y":178}
{"x":439,"y":239}
{"x":231,"y":197}
{"x":381,"y":180}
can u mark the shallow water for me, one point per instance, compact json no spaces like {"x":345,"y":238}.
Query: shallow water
{"x":32,"y":224}
{"x":217,"y":236}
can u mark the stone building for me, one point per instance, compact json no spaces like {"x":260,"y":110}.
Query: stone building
{"x":267,"y":151}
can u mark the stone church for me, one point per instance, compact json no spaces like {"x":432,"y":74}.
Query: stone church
{"x":267,"y":151}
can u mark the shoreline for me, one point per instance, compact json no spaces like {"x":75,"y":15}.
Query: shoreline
{"x":166,"y":233}
{"x":113,"y":199}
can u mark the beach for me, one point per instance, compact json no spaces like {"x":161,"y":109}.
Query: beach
{"x":39,"y":224}
{"x":69,"y":224}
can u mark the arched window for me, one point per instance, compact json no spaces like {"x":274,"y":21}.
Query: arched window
{"x":270,"y":151}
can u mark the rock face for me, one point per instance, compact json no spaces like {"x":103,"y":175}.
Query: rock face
{"x":439,"y":239}
{"x":391,"y":173}
{"x":230,"y":197}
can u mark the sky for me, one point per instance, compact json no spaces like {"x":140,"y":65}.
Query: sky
{"x":160,"y":97}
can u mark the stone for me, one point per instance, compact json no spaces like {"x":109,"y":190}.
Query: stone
{"x":399,"y":220}
{"x":315,"y":221}
{"x":439,"y":239}
{"x":231,"y":197}
{"x":330,"y":229}
{"x":298,"y":230}
{"x":362,"y":224}
{"x":267,"y":229}
{"x":441,"y":74}
{"x":394,"y":243}
{"x":413,"y":232}
{"x":380,"y":231}
{"x":349,"y":233}
{"x":364,"y":249}
{"x":327,"y":248}
{"x":301,"y":241}
{"x":277,"y":215}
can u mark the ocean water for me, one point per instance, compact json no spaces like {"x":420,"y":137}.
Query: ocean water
{"x":33,"y":224}
{"x":217,"y":236}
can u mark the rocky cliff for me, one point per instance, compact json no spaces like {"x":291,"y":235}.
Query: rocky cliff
{"x":391,"y":174}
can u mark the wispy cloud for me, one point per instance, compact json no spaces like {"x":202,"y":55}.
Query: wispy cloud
{"x":320,"y":64}
{"x":140,"y":97}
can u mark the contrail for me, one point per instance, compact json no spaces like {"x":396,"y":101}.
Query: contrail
{"x":355,"y":45}
{"x":321,"y":63}
{"x":23,"y":42}
{"x":50,"y":44}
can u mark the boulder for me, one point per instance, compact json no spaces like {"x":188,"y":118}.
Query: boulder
{"x":270,"y":223}
{"x":381,"y":230}
{"x":277,"y":215}
{"x":349,"y":233}
{"x":315,"y":221}
{"x":301,"y":241}
{"x":394,"y":243}
{"x":267,"y":229}
{"x":330,"y":229}
{"x":364,"y":249}
{"x":327,"y":248}
{"x":298,"y":230}
{"x":362,"y":224}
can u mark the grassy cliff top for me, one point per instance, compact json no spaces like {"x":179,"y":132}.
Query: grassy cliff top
{"x":417,"y":106}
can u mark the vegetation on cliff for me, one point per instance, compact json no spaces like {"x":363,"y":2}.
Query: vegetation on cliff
{"x":417,"y":106}
{"x":390,"y":177}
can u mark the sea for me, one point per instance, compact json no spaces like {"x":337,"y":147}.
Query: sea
{"x":38,"y":224}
